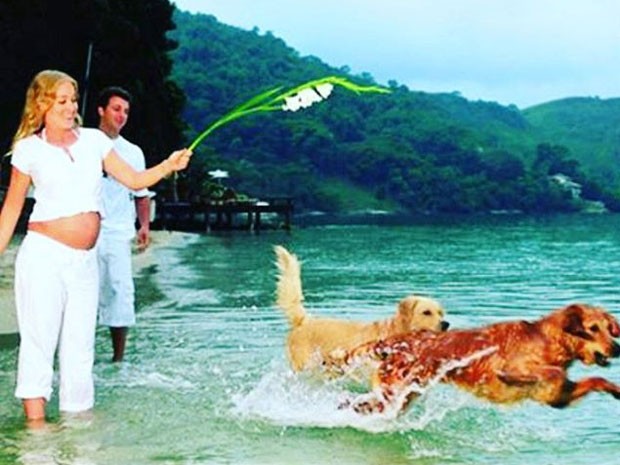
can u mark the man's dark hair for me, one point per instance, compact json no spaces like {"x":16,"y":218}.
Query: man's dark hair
{"x":113,"y":91}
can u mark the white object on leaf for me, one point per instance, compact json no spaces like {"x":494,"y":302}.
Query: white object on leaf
{"x":307,"y":97}
{"x":291,"y":103}
{"x":325,"y":89}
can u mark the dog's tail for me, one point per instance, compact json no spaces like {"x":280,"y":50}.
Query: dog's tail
{"x":289,"y":296}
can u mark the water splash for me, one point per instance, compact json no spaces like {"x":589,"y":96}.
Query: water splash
{"x":288,"y":399}
{"x":408,"y":388}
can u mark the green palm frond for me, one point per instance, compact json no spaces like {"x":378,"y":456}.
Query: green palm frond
{"x":275,"y":99}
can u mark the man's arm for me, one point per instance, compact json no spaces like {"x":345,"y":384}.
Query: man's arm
{"x":143,"y":210}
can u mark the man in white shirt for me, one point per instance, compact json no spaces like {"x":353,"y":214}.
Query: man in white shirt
{"x":118,"y":227}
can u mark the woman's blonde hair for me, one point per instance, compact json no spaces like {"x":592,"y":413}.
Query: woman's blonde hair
{"x":39,"y":99}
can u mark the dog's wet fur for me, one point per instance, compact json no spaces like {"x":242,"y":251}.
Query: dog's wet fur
{"x":315,"y":342}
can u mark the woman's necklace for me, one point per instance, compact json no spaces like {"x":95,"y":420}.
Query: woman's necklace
{"x":64,"y":148}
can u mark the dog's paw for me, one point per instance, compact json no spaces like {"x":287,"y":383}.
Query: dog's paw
{"x":345,"y":404}
{"x":365,"y":404}
{"x":368,"y":407}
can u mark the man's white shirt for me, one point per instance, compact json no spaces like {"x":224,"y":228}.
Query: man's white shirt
{"x":119,"y":209}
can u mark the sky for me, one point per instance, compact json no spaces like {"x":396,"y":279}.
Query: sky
{"x":521,"y":52}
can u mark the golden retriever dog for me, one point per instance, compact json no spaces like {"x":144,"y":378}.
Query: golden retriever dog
{"x":503,"y":362}
{"x":313,"y":341}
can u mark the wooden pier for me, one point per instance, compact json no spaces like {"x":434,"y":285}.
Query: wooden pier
{"x":269,"y":213}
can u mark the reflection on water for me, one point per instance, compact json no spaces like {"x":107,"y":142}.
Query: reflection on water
{"x":206,"y":380}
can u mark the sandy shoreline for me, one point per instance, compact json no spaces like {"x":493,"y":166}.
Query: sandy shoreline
{"x":8,"y":322}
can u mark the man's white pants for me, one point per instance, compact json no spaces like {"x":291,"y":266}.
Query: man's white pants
{"x":116,"y":288}
{"x":56,"y":294}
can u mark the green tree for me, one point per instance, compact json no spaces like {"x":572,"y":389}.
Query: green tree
{"x":553,"y":159}
{"x":129,"y":47}
{"x":502,"y":165}
{"x":423,"y":152}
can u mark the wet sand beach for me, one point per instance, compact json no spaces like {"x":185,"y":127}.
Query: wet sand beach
{"x":8,"y":321}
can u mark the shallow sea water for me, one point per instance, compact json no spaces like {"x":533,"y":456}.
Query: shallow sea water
{"x":206,"y":380}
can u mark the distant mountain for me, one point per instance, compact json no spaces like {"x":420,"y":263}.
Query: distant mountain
{"x":407,"y":150}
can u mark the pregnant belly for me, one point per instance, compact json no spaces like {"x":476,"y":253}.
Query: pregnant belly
{"x":78,"y":231}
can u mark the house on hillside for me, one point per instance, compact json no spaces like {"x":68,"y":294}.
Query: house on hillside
{"x":567,"y":184}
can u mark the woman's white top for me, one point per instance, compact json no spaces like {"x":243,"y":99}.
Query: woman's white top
{"x":66,"y":181}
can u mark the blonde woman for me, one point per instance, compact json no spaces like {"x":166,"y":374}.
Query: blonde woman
{"x":56,"y":275}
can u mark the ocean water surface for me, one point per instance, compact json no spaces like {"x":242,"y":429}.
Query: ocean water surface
{"x":206,"y":379}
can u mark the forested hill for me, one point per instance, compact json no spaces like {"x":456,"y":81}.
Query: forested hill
{"x":589,"y":126}
{"x":405,"y":150}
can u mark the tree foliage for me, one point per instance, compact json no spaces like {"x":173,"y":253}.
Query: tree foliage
{"x":423,"y":152}
{"x":128,"y":45}
{"x":420,"y":152}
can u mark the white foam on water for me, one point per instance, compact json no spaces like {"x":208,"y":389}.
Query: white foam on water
{"x":289,"y":399}
{"x":441,"y":420}
{"x":131,"y":376}
{"x":192,"y":297}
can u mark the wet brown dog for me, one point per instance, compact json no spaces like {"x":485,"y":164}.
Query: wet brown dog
{"x":313,"y":341}
{"x":504,"y":362}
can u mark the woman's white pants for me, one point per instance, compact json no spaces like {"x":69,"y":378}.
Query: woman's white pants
{"x":56,"y":294}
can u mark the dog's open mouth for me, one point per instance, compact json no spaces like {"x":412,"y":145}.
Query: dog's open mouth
{"x":600,"y":359}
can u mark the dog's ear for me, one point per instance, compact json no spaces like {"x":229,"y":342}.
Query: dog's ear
{"x":405,"y":309}
{"x":573,"y":321}
{"x":406,"y":306}
{"x":614,"y":327}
